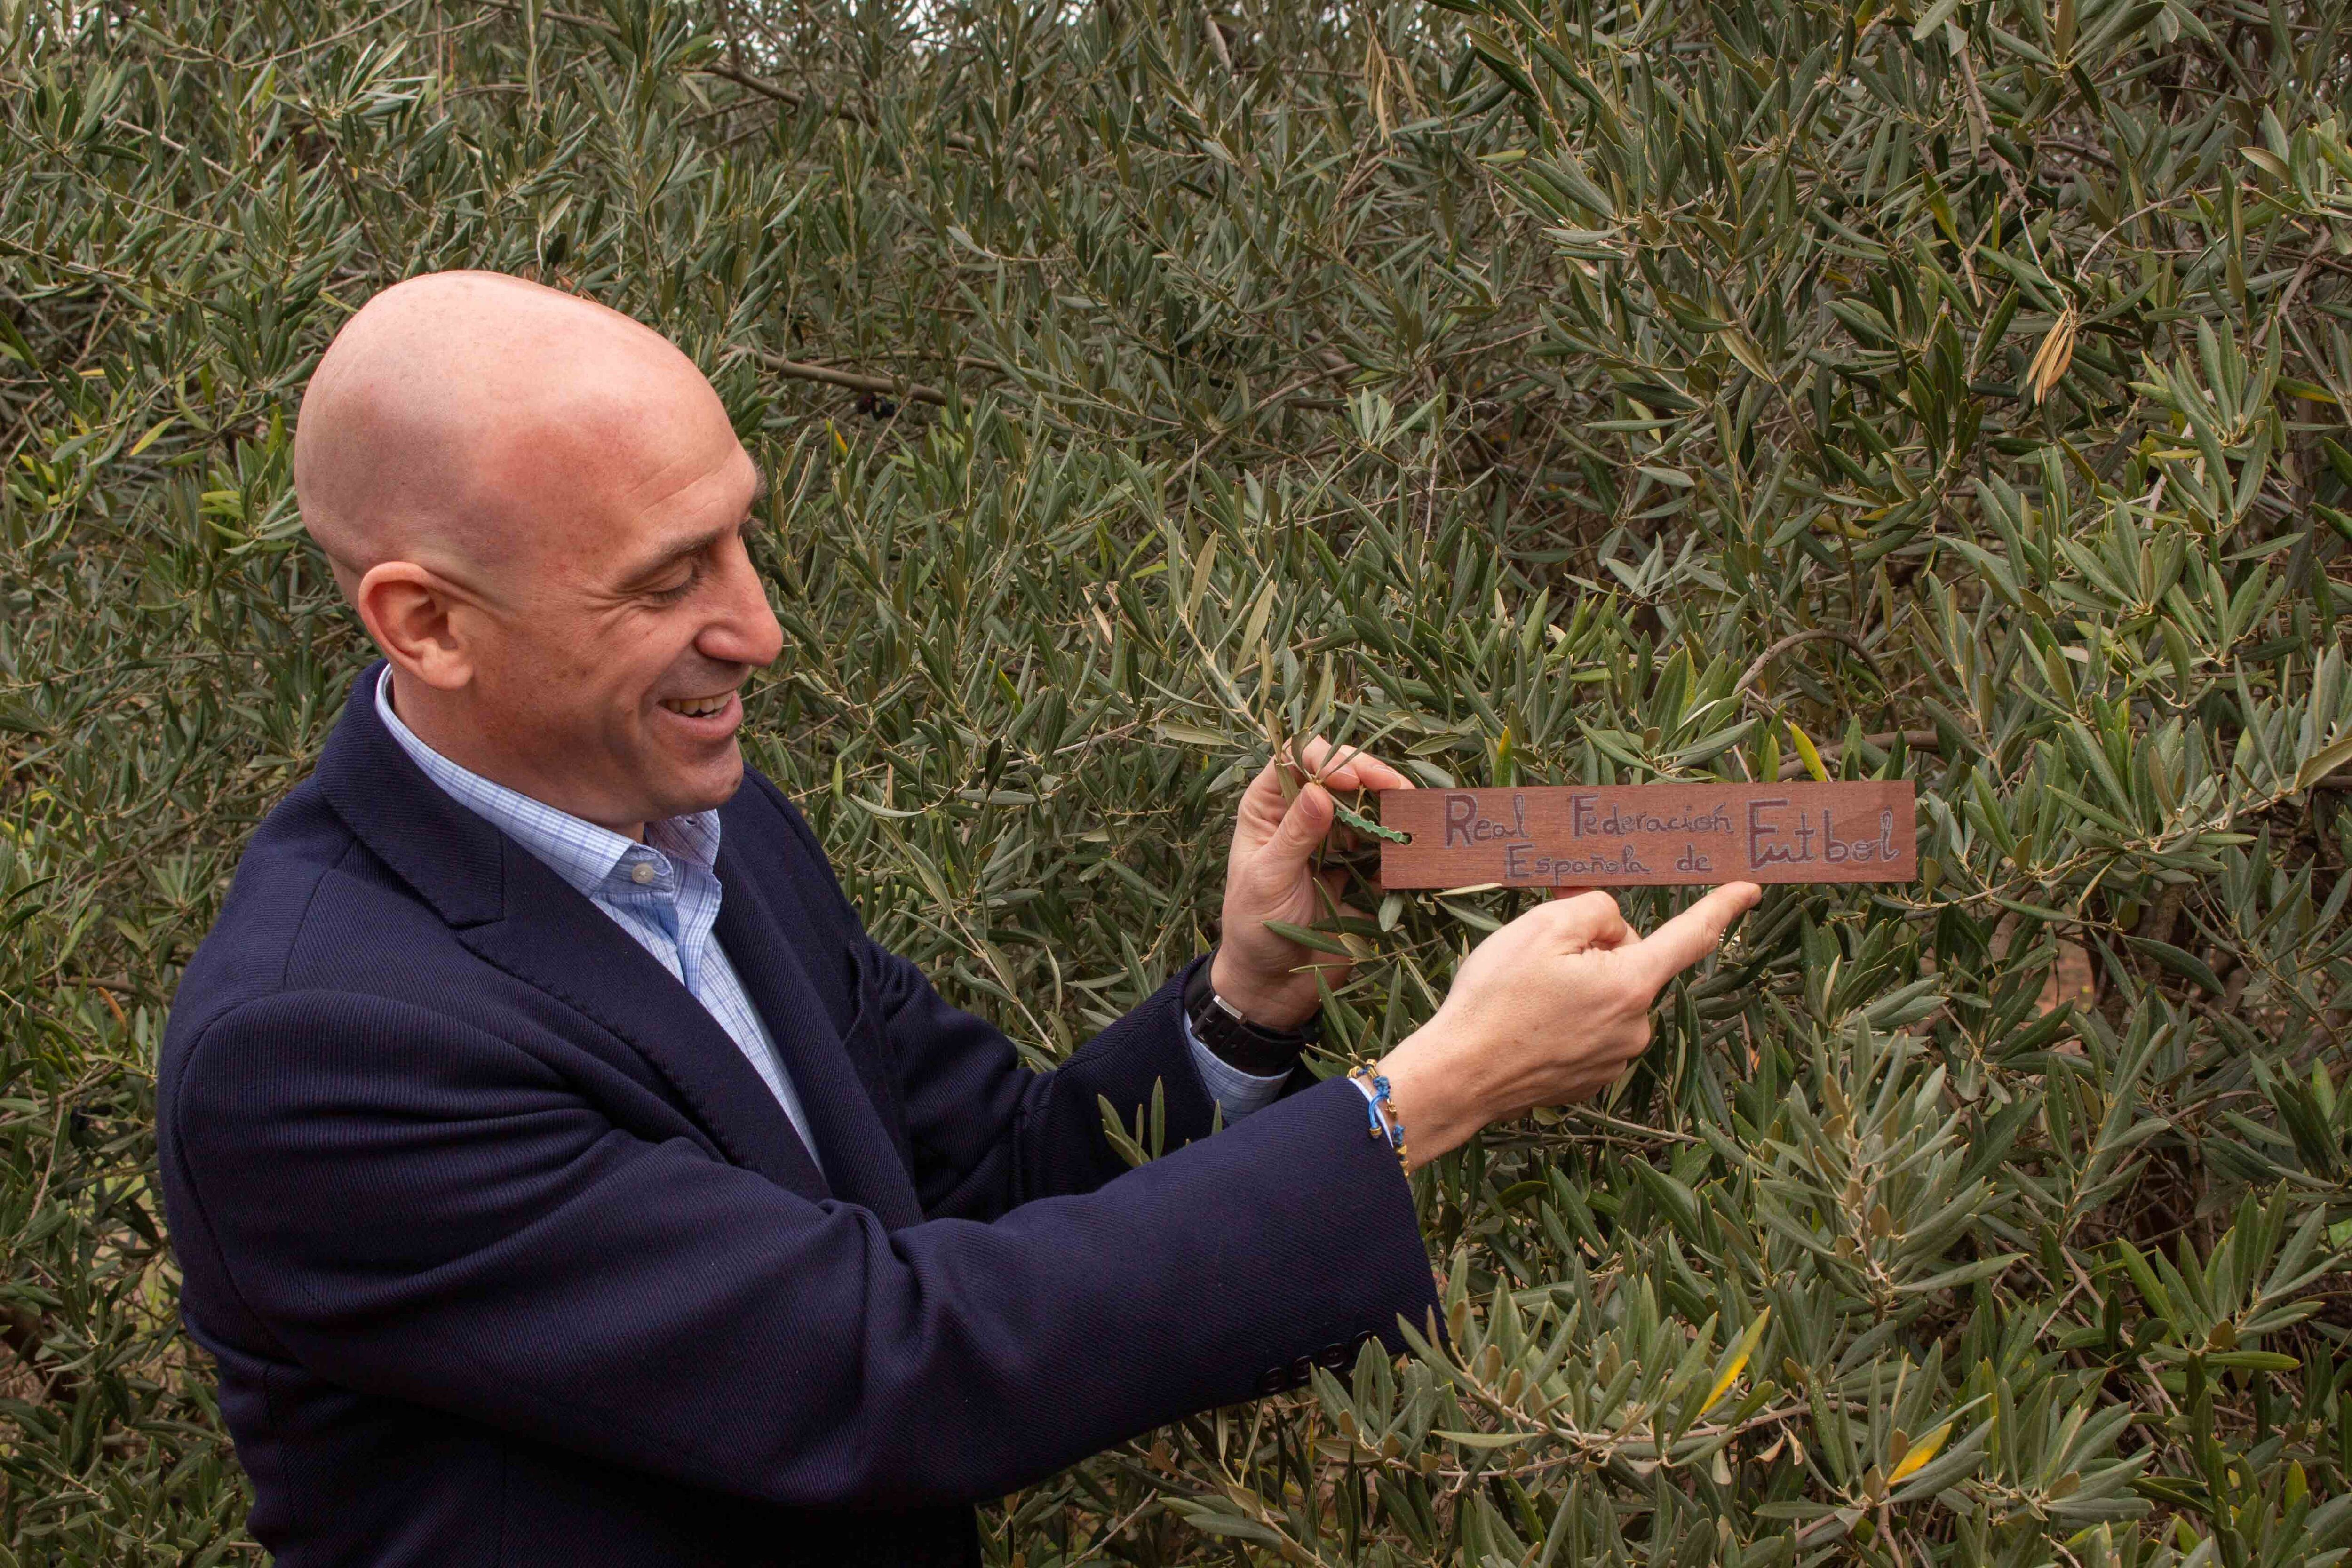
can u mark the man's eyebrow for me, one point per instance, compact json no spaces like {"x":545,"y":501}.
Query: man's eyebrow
{"x":702,"y":541}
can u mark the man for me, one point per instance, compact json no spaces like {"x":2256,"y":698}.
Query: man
{"x":560,"y":1174}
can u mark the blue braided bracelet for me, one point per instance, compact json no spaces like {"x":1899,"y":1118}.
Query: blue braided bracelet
{"x":1391,"y":1127}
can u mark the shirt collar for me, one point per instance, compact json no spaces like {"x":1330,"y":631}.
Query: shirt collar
{"x":586,"y":855}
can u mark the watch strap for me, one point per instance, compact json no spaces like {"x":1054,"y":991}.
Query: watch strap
{"x":1254,"y":1049}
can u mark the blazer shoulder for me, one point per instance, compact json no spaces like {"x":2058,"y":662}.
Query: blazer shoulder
{"x":771,"y":810}
{"x":766,"y":791}
{"x":296,"y":847}
{"x":759,"y":792}
{"x":307,"y":901}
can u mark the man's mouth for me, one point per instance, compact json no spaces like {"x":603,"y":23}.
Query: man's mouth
{"x":699,"y":707}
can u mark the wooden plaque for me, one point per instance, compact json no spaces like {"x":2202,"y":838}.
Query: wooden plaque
{"x":1648,"y":835}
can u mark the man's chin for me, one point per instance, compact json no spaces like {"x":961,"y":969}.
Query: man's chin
{"x":706,"y":786}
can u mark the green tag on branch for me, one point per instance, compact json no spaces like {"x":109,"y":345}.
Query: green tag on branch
{"x":1362,"y":823}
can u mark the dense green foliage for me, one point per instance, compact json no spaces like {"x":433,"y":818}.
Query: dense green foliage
{"x":1562,"y":391}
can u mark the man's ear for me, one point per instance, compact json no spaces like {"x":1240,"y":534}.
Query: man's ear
{"x":416,"y":617}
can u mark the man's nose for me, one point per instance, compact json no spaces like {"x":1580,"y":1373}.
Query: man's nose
{"x":745,"y":630}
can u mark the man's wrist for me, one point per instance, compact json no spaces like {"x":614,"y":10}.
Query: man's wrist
{"x":1226,"y":975}
{"x":1435,"y":1099}
{"x":1234,"y":1036}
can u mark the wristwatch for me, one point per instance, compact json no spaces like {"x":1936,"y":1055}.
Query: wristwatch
{"x":1254,"y":1048}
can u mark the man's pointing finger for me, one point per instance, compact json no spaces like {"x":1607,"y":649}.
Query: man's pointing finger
{"x":1694,"y":934}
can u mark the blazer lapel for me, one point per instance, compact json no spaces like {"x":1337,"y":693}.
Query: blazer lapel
{"x":506,"y":906}
{"x":862,"y":1159}
{"x":554,"y":939}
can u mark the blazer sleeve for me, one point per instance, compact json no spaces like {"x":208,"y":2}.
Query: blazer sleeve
{"x":416,"y":1207}
{"x":989,"y":1135}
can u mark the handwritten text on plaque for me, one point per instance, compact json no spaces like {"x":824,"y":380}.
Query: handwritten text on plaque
{"x":1633,"y":835}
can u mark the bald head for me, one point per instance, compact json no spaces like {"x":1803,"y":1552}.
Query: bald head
{"x":538,"y":506}
{"x":454,"y":412}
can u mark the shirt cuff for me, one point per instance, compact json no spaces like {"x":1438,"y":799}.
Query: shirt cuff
{"x":1238,"y":1092}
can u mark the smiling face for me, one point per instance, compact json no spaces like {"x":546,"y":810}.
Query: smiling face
{"x":539,"y":508}
{"x":609,"y":670}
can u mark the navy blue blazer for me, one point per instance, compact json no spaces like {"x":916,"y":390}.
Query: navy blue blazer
{"x":507,"y":1257}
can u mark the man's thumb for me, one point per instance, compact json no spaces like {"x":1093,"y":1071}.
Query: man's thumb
{"x":1304,"y":824}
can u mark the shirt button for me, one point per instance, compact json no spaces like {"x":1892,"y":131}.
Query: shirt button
{"x":642,"y":873}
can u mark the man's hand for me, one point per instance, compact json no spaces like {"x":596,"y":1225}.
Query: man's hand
{"x":1270,"y":876}
{"x":1547,"y":1011}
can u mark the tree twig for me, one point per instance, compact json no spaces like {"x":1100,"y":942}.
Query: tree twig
{"x":888,"y":385}
{"x":1795,"y":639}
{"x":1913,"y":739}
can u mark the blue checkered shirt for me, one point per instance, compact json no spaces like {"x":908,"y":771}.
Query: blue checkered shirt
{"x":665,"y":893}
